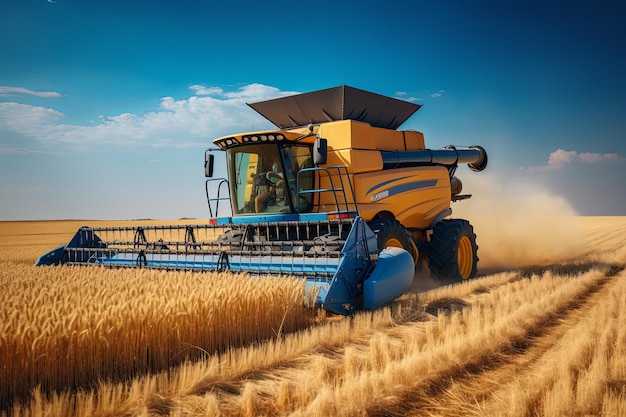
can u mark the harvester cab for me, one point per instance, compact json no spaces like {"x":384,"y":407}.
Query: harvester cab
{"x":268,"y":178}
{"x":335,"y":195}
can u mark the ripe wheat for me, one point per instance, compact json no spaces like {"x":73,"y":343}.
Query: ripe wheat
{"x":68,"y":327}
{"x":540,"y":340}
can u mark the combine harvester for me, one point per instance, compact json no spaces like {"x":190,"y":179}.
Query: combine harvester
{"x":335,"y":195}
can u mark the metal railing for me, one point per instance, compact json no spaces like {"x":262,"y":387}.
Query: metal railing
{"x":299,"y":249}
{"x":340,"y":188}
{"x":214,"y":202}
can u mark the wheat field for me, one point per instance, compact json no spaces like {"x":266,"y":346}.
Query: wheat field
{"x":537,"y":336}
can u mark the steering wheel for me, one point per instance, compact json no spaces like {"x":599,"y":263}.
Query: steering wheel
{"x":273,"y":178}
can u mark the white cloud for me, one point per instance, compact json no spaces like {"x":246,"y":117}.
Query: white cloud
{"x":190,"y":122}
{"x":254,"y":92}
{"x":206,"y":91}
{"x":438,"y":94}
{"x":559,"y":158}
{"x":403,"y":95}
{"x":28,"y":120}
{"x":13,"y":91}
{"x":250,"y":92}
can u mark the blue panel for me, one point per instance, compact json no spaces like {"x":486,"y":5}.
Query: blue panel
{"x":344,"y":294}
{"x":391,"y":277}
{"x":339,"y":281}
{"x":51,"y":258}
{"x":84,"y":238}
{"x":265,"y":218}
{"x":236,"y":263}
{"x":382,"y":184}
{"x":313,"y":217}
{"x":398,"y":189}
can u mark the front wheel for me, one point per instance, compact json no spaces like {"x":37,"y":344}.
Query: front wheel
{"x":390,"y":233}
{"x":453,"y":250}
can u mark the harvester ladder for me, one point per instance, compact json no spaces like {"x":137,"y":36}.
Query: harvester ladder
{"x":340,"y":191}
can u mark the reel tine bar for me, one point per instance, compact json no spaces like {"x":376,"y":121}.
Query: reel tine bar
{"x":300,"y":249}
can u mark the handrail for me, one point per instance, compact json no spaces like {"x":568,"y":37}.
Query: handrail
{"x":337,"y":191}
{"x":216,"y":199}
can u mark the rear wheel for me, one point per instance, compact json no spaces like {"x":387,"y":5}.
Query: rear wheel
{"x":453,"y":250}
{"x":390,"y":233}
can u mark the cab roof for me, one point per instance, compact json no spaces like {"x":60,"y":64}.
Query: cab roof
{"x":337,"y":103}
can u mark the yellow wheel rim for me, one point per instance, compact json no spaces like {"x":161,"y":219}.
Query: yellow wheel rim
{"x":394,"y":243}
{"x":465,"y":257}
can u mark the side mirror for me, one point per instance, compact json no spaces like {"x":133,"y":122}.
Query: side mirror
{"x":320,"y":151}
{"x":209,"y":161}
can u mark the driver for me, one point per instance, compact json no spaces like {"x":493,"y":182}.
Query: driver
{"x":274,"y":188}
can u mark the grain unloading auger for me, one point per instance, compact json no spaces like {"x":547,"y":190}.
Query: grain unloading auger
{"x":336,"y":196}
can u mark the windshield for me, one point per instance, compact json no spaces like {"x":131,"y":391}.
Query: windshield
{"x":263,"y":178}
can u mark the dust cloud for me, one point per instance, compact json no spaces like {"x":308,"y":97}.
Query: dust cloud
{"x":517,"y":224}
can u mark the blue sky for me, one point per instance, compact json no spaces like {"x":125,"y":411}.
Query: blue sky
{"x":106,"y":107}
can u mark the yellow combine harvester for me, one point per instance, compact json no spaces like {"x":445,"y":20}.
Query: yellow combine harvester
{"x":335,"y":195}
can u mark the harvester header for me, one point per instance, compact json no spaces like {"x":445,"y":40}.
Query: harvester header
{"x":335,"y":195}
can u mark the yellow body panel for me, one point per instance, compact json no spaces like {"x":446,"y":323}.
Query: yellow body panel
{"x":356,"y":160}
{"x":415,"y":196}
{"x":413,"y":140}
{"x":350,"y":134}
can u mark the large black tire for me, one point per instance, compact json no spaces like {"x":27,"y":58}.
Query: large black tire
{"x":453,"y":254}
{"x":390,"y":233}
